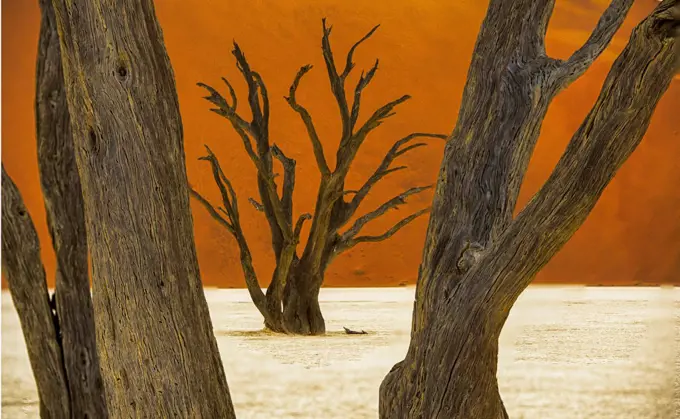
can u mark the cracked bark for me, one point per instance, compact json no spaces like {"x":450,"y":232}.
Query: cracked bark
{"x":66,"y":222}
{"x":477,"y":262}
{"x":25,"y":275}
{"x":292,"y":298}
{"x":157,"y":351}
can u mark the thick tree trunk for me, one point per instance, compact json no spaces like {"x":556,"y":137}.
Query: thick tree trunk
{"x":25,"y":275}
{"x":477,"y":262}
{"x":301,"y":310}
{"x":66,"y":221}
{"x":158,"y":353}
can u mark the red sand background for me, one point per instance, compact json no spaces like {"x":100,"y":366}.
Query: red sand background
{"x":633,"y":235}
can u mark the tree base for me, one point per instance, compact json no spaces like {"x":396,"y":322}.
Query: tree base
{"x":302,"y":314}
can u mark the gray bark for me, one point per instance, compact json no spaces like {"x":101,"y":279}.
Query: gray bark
{"x":157,"y":350}
{"x":291,"y":303}
{"x":478,"y":259}
{"x":25,"y":275}
{"x":66,"y":221}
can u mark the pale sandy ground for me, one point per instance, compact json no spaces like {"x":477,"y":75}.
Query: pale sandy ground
{"x":566,"y":353}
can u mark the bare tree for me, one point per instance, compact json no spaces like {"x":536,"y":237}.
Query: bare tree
{"x":478,"y":259}
{"x":69,"y":384}
{"x":25,"y":275}
{"x":157,"y":350}
{"x":291,"y":303}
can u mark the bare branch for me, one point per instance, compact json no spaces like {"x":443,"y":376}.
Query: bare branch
{"x":256,"y":204}
{"x":348,"y":149}
{"x":298,"y":226}
{"x":232,"y":93}
{"x":351,"y":242}
{"x":231,"y":210}
{"x":338,"y":81}
{"x":241,"y":127}
{"x":381,"y":114}
{"x":263,"y":94}
{"x":227,"y":111}
{"x":609,"y":23}
{"x":211,"y":210}
{"x":361,"y":85}
{"x":392,"y":203}
{"x":258,"y":110}
{"x":307,"y":119}
{"x":610,"y":133}
{"x":384,"y":168}
{"x":350,"y":65}
{"x":226,"y":189}
{"x":288,"y":181}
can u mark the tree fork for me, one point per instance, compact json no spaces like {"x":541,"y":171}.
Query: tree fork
{"x":464,"y":297}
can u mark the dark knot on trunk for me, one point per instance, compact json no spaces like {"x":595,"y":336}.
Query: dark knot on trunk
{"x":469,"y":256}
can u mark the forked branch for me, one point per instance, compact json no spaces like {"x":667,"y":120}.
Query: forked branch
{"x":243,"y":129}
{"x":288,"y":181}
{"x":384,"y":169}
{"x":363,"y":82}
{"x":233,"y":225}
{"x":605,"y":140}
{"x":609,"y":23}
{"x":214,"y":213}
{"x":348,"y":149}
{"x":298,"y":226}
{"x":309,"y":125}
{"x":392,"y":203}
{"x":350,"y":242}
{"x":349,"y":65}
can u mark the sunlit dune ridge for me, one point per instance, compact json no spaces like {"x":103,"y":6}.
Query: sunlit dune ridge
{"x":633,"y":235}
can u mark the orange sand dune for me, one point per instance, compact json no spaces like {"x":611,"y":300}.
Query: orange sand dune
{"x":633,"y":236}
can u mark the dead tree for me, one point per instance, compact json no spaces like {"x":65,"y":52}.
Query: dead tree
{"x":291,"y":303}
{"x":25,"y":275}
{"x":157,"y":350}
{"x":478,"y":258}
{"x":66,"y":221}
{"x":76,"y":388}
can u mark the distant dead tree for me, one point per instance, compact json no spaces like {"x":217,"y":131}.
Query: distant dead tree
{"x":291,"y":303}
{"x":478,"y":259}
{"x":59,"y":330}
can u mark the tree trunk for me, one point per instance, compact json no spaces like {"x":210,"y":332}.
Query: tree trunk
{"x":301,"y":310}
{"x":25,"y":275}
{"x":66,"y":221}
{"x":478,"y":262}
{"x":158,"y":353}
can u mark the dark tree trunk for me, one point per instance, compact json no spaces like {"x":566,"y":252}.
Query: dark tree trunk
{"x":478,"y":261}
{"x":158,"y":353}
{"x":66,"y":221}
{"x":25,"y":275}
{"x":301,"y":310}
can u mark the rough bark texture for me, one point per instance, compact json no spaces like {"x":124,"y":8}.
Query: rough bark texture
{"x":157,"y":350}
{"x":291,"y":303}
{"x":66,"y":221}
{"x":477,"y":260}
{"x":25,"y":275}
